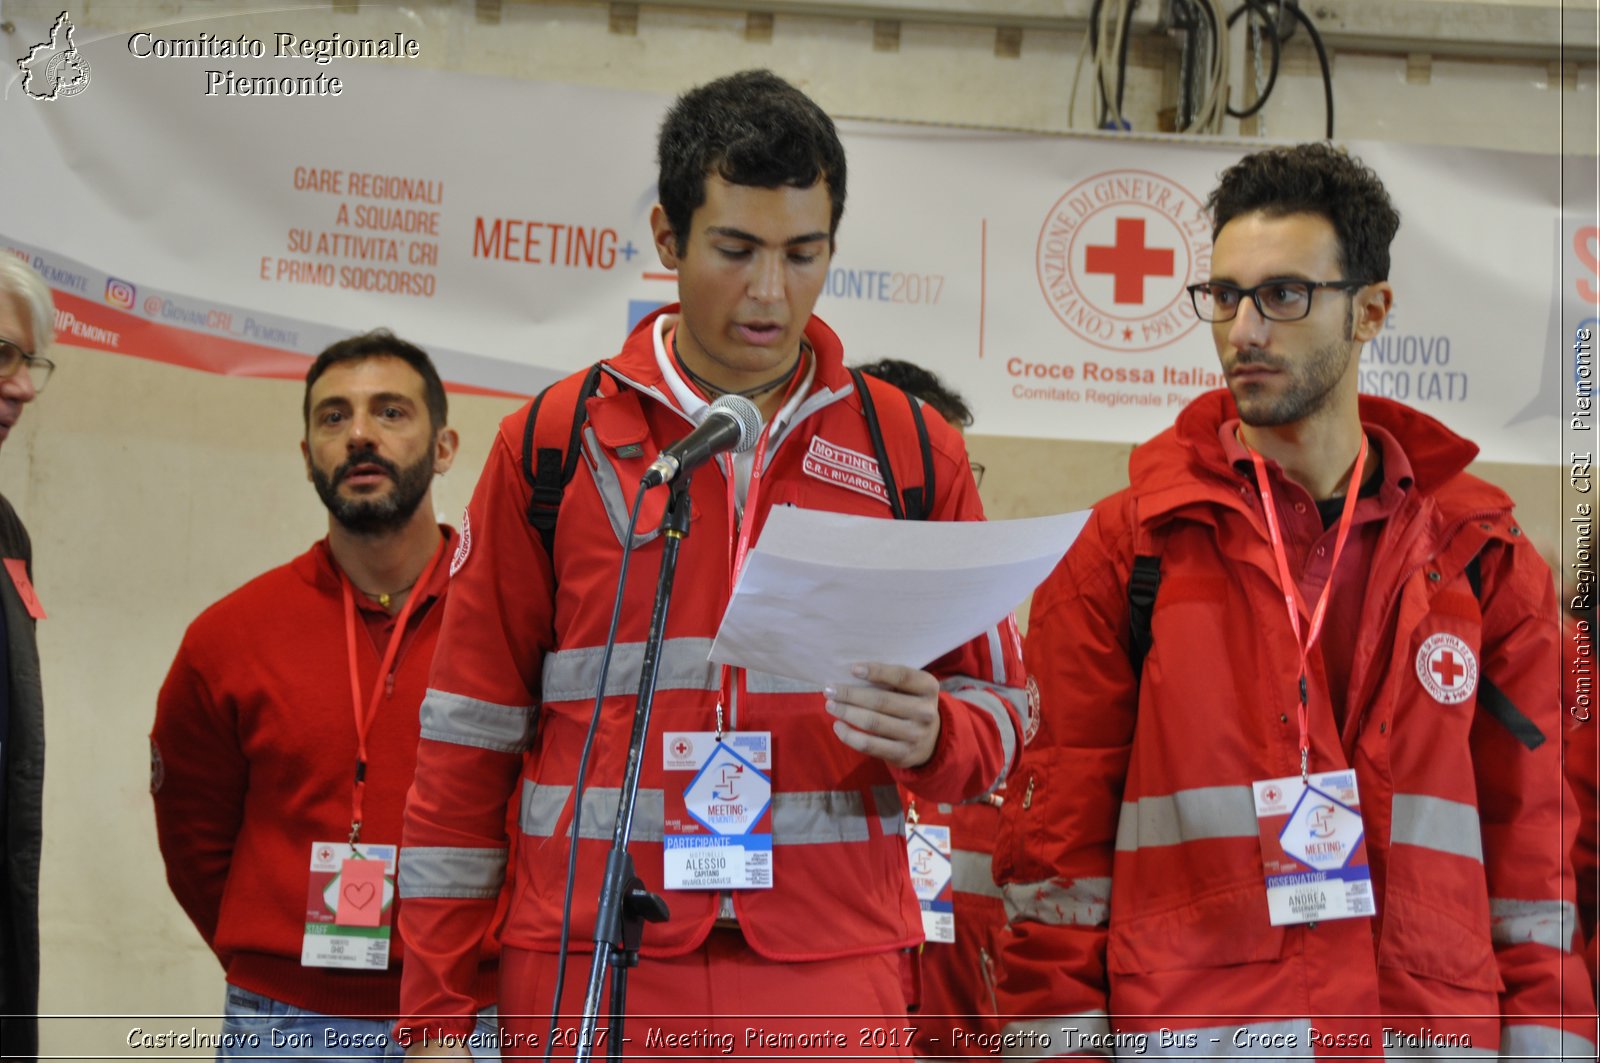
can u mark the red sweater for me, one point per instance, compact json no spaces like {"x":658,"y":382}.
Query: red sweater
{"x":253,"y":756}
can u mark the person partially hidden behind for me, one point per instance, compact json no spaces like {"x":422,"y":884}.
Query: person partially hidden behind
{"x":286,"y":732}
{"x":27,"y":330}
{"x":953,"y":975}
{"x":1309,"y":800}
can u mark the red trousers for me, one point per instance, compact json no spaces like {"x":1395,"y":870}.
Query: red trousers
{"x":722,"y":1000}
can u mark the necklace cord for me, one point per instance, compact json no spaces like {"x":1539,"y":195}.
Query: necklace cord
{"x":749,"y":393}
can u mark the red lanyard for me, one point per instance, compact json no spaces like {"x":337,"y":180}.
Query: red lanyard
{"x":1291,"y":590}
{"x":381,"y":684}
{"x":742,"y":546}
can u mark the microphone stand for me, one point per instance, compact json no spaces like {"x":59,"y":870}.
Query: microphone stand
{"x":625,"y":905}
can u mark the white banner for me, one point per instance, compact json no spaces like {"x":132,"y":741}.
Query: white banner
{"x":236,"y":212}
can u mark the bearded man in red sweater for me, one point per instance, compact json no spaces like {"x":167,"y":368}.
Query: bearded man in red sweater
{"x":286,"y":732}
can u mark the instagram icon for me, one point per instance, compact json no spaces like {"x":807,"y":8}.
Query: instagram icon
{"x":120,"y":293}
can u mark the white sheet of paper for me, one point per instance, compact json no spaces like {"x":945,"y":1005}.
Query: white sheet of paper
{"x":823,"y":591}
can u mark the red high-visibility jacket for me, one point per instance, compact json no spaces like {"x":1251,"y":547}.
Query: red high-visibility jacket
{"x":1129,"y":850}
{"x":515,"y":675}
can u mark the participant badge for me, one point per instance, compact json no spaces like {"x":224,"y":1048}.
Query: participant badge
{"x":349,"y":906}
{"x":928,"y":849}
{"x":718,"y":826}
{"x":1313,"y":848}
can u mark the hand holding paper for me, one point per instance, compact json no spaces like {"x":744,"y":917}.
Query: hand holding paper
{"x":896,"y":719}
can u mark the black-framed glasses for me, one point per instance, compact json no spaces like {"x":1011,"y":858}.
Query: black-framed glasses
{"x":1281,"y":300}
{"x":977,"y":473}
{"x":13,"y":358}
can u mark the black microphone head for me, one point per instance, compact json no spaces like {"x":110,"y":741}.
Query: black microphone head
{"x":746,"y":415}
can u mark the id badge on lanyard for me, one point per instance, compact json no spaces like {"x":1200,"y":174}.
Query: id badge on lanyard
{"x":933,"y":879}
{"x":350,"y":899}
{"x":349,"y":906}
{"x":718,"y":825}
{"x":1313,"y":848}
{"x":1313,"y":843}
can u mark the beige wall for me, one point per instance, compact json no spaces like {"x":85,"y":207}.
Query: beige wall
{"x":151,"y":491}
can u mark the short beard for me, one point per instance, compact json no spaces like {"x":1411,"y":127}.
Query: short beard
{"x":376,"y":516}
{"x":1309,"y":393}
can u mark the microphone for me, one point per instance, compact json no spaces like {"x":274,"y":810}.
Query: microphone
{"x":733,"y":424}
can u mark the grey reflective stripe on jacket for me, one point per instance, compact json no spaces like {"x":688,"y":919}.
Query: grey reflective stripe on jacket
{"x":1537,"y":1044}
{"x":443,"y":871}
{"x":1085,"y":902}
{"x":806,"y":817}
{"x":993,"y":700}
{"x":466,"y":721}
{"x":574,"y":675}
{"x":1552,"y":923}
{"x":542,"y":807}
{"x":1437,"y":823}
{"x":973,"y":872}
{"x":1229,"y":812}
{"x":768,"y":683}
{"x":1186,"y":816}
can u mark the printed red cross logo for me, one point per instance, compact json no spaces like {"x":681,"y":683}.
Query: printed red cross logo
{"x":1129,"y":261}
{"x":680,"y":748}
{"x":1445,"y":667}
{"x":1272,"y":794}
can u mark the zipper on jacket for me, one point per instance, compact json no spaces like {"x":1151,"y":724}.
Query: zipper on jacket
{"x":407,"y":637}
{"x":986,"y":962}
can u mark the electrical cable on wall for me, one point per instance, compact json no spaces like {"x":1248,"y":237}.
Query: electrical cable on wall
{"x":1270,"y":14}
{"x":1269,"y":32}
{"x":1205,"y":27}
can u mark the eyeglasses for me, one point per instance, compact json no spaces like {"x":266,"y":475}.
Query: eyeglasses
{"x":13,"y":358}
{"x":1282,"y":300}
{"x":977,"y":473}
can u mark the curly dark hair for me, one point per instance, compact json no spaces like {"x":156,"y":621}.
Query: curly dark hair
{"x":923,"y":384}
{"x":1321,"y":179}
{"x":751,"y":128}
{"x":375,"y":344}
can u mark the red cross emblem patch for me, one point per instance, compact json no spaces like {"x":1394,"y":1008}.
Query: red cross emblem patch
{"x":1030,"y":726}
{"x":463,"y":545}
{"x":1447,"y":669}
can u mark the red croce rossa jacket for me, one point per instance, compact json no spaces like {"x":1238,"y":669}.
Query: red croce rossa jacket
{"x":1129,"y":849}
{"x":514,"y":682}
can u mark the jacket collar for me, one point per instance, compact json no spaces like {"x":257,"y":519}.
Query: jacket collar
{"x":637,"y":360}
{"x":1191,"y":451}
{"x":317,"y":568}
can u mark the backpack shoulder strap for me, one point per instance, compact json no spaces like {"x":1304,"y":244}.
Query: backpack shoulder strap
{"x":550,"y":447}
{"x":1144,"y":580}
{"x":915,"y":502}
{"x":1491,"y":697}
